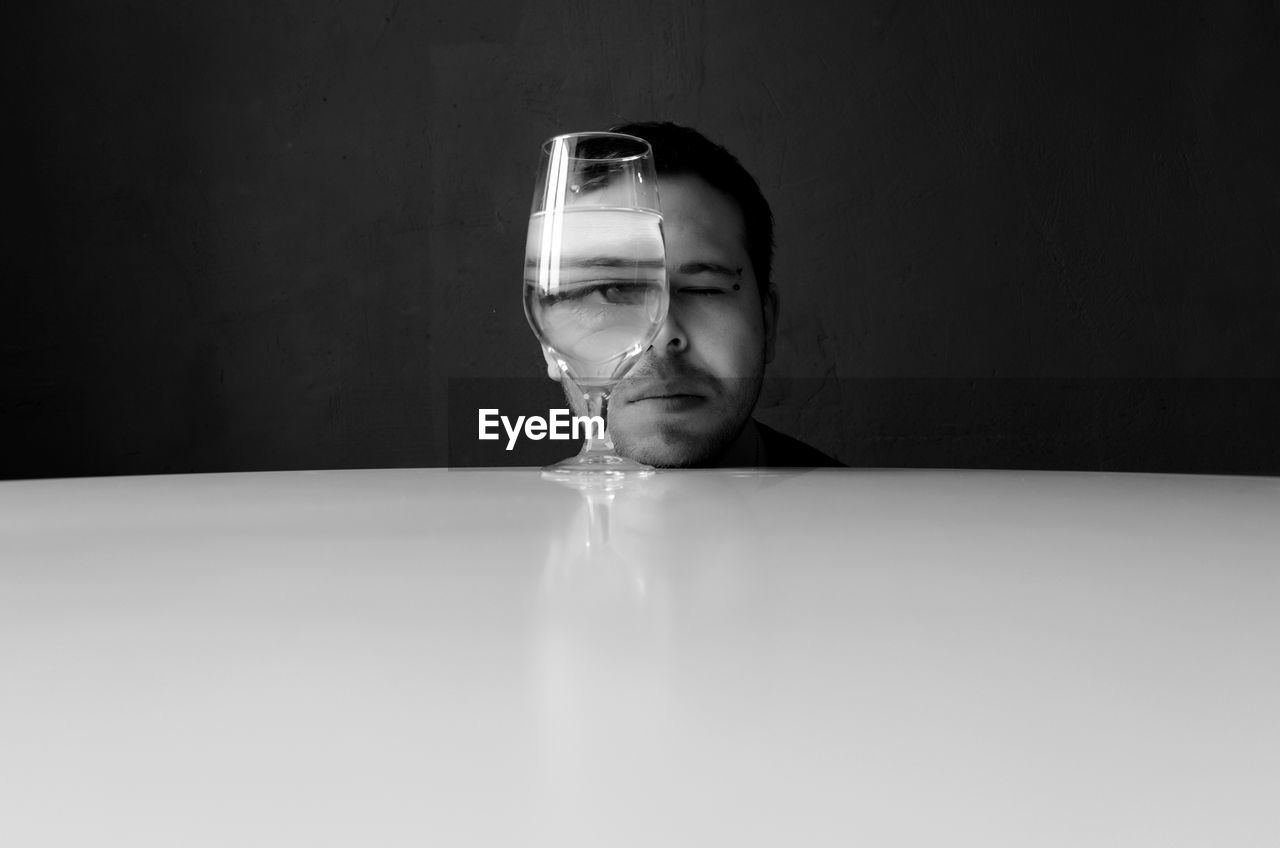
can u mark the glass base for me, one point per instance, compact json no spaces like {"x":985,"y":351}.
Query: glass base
{"x":596,"y":467}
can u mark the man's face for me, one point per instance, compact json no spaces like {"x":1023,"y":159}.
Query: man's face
{"x":693,"y":391}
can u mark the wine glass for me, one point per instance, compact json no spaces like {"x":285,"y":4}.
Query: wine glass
{"x":595,"y":282}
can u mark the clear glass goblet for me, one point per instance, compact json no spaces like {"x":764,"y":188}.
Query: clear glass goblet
{"x":595,"y":280}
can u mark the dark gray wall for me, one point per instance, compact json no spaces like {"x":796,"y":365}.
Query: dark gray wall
{"x":288,"y":235}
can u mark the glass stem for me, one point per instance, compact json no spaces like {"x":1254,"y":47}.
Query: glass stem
{"x":598,"y":440}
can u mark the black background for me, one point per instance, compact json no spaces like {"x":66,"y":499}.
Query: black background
{"x":284,"y":235}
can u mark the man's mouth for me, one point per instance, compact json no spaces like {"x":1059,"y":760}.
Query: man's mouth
{"x":668,"y":403}
{"x":668,"y":395}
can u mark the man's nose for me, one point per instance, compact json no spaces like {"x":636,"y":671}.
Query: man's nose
{"x":671,"y":339}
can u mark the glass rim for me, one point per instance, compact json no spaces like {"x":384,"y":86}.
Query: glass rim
{"x":648,"y":148}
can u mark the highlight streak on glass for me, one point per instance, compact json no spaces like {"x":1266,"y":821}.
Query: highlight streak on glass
{"x":557,"y":176}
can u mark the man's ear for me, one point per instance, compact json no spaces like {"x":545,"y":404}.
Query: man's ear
{"x":770,"y":308}
{"x":553,"y":367}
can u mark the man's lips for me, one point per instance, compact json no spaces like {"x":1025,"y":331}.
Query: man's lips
{"x":667,"y":404}
{"x":659,"y":392}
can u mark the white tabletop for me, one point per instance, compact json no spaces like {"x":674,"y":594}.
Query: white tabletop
{"x":432,"y":657}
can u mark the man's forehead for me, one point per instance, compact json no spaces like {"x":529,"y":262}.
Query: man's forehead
{"x":697,"y":215}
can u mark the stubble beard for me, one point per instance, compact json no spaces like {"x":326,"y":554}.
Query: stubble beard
{"x":672,"y":445}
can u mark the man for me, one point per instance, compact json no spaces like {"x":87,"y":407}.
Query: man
{"x":688,"y":402}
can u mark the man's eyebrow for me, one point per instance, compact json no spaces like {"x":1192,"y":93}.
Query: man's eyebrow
{"x":601,"y":262}
{"x":709,"y":268}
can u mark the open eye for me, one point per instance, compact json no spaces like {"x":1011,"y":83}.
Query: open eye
{"x":627,"y":293}
{"x":601,"y":292}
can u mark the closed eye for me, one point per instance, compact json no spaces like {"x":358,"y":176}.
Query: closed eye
{"x":701,"y":291}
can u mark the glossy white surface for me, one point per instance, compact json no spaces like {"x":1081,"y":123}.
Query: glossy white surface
{"x":709,"y":658}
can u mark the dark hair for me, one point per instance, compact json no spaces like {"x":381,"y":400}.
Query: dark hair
{"x":682,"y":150}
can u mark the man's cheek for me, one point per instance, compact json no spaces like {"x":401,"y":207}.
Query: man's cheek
{"x":740,"y":357}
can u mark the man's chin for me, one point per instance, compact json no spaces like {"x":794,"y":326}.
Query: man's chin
{"x":668,"y":455}
{"x":673,"y":446}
